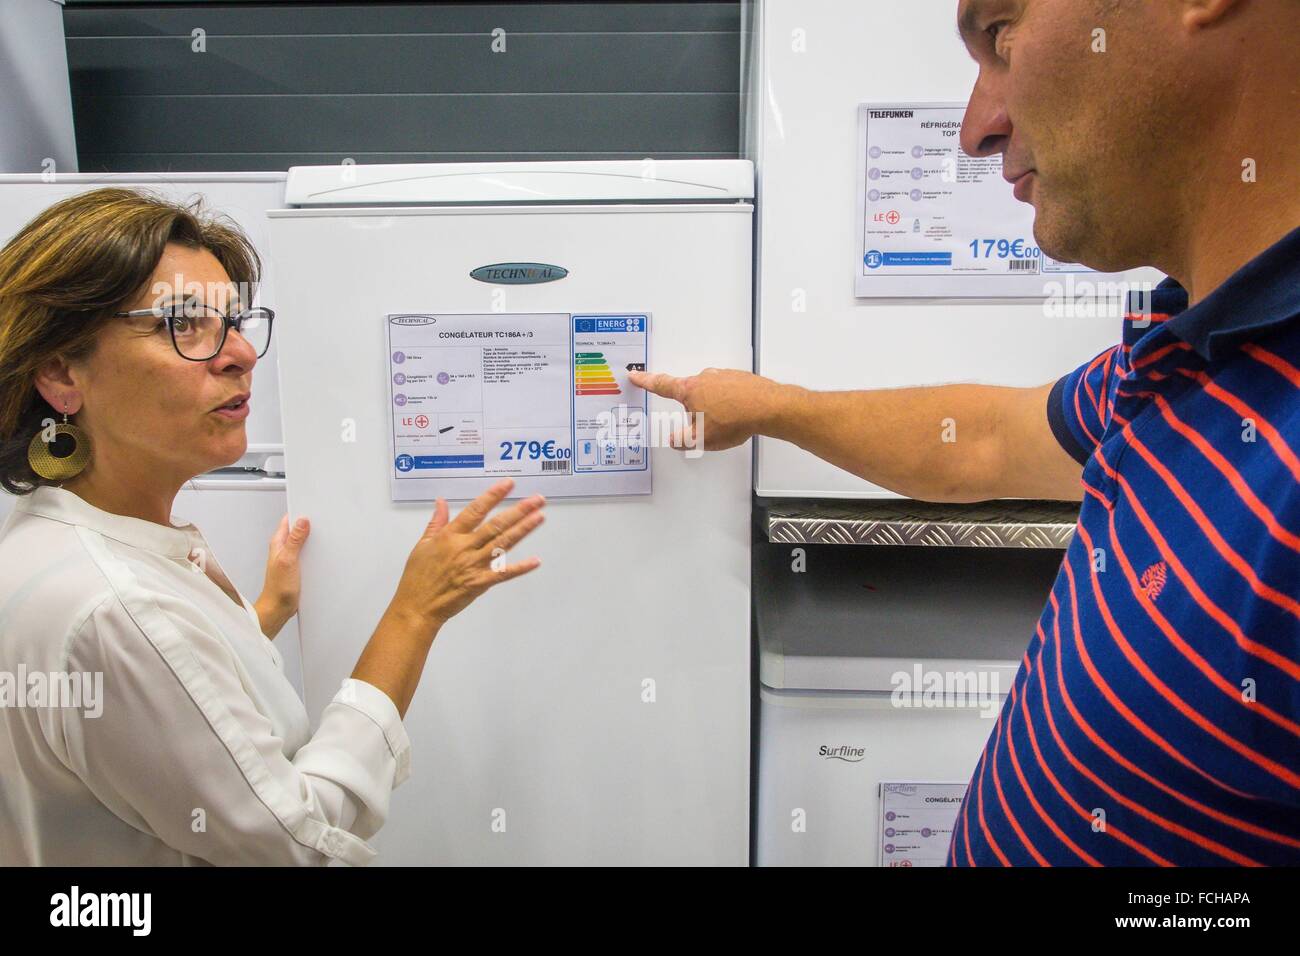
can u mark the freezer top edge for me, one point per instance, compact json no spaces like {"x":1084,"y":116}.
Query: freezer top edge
{"x":585,"y":209}
{"x":568,"y":182}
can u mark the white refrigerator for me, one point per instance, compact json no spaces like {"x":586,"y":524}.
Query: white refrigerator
{"x":595,"y":711}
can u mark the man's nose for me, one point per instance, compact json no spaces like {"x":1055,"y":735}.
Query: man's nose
{"x":986,"y":128}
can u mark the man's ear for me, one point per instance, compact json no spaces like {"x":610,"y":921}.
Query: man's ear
{"x":57,"y":385}
{"x":1199,"y":14}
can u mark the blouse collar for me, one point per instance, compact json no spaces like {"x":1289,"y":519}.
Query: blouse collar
{"x":175,"y":541}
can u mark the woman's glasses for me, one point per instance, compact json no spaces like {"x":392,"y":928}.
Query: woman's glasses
{"x":198,"y":331}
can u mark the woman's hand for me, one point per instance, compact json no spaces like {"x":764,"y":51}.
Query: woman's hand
{"x":455,"y":561}
{"x":280,"y":591}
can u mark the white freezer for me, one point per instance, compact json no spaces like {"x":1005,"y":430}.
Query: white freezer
{"x":815,"y":809}
{"x":532,"y":707}
{"x":837,"y":641}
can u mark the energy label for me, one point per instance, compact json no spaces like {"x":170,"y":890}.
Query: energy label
{"x":542,"y":398}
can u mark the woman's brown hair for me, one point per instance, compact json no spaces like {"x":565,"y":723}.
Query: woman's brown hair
{"x":63,"y":276}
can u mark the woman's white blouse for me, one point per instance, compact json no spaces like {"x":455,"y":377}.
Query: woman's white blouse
{"x":196,"y":749}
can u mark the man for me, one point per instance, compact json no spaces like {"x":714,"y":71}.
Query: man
{"x":1155,"y":718}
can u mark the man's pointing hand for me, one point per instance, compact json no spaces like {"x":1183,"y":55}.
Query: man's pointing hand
{"x":724,"y":406}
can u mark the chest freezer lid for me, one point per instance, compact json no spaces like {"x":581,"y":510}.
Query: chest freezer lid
{"x":592,"y":181}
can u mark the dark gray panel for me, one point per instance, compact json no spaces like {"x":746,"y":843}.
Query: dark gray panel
{"x":313,"y":83}
{"x":914,"y":603}
{"x":450,"y":123}
{"x":556,"y":63}
{"x":372,"y":18}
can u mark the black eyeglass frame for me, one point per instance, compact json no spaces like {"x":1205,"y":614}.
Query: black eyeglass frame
{"x":168,"y":314}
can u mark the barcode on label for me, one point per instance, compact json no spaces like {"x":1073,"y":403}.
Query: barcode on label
{"x":1023,"y":265}
{"x":560,"y":466}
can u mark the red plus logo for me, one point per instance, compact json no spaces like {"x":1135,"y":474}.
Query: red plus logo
{"x":421,"y":421}
{"x":890,"y":217}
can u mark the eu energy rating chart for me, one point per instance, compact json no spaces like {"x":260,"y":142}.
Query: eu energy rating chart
{"x":592,"y":375}
{"x":608,"y":425}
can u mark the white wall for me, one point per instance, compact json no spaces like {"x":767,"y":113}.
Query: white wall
{"x":35,"y":103}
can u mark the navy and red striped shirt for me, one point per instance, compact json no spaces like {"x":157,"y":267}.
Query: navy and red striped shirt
{"x":1155,"y":717}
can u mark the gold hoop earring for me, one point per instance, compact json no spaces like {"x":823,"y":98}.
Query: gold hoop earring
{"x":41,"y":453}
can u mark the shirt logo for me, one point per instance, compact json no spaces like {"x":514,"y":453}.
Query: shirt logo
{"x":1153,"y":580}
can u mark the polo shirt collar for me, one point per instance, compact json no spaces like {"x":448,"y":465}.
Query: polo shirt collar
{"x":1261,"y":295}
{"x":60,"y":504}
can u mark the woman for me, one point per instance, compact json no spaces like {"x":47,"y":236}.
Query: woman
{"x":148,"y":719}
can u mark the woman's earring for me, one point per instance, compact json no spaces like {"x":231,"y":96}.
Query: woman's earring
{"x":61,"y":456}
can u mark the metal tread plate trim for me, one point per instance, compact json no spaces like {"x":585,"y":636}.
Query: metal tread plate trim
{"x":988,"y":524}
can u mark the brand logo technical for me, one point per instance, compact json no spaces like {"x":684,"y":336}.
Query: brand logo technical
{"x":518,"y":273}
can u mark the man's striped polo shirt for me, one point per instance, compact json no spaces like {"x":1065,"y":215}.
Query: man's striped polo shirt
{"x":1155,"y":717}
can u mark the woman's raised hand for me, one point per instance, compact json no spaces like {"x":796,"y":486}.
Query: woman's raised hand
{"x":455,"y":561}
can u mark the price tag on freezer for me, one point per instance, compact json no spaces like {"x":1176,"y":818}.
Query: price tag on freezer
{"x":916,"y":822}
{"x":935,"y":221}
{"x":539,"y":397}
